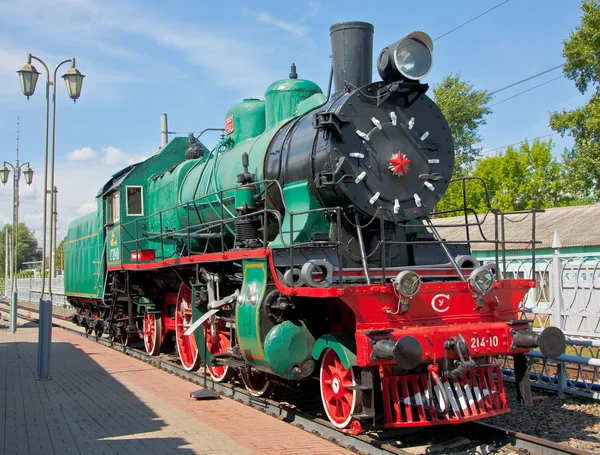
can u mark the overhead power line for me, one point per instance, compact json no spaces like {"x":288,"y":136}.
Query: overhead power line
{"x":471,"y":20}
{"x":467,"y":22}
{"x":486,"y":152}
{"x":543,"y":72}
{"x":525,"y":91}
{"x":526,"y":79}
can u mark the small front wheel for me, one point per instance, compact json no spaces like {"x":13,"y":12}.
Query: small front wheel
{"x":152,"y":332}
{"x":337,"y":392}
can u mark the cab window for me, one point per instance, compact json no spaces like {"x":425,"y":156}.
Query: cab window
{"x":135,"y":205}
{"x":114,"y":207}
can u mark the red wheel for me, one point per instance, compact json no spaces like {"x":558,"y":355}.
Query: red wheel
{"x":258,"y":383}
{"x":339,"y":400}
{"x":218,"y":342}
{"x":152,"y":332}
{"x":186,"y":345}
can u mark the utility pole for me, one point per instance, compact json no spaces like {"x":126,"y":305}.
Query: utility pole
{"x":7,"y":262}
{"x":53,"y":223}
{"x":15,"y":239}
{"x":4,"y":173}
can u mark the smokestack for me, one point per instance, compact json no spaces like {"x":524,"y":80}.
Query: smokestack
{"x":352,"y":49}
{"x":164,"y":136}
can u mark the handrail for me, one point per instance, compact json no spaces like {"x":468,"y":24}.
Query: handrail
{"x":219,"y":227}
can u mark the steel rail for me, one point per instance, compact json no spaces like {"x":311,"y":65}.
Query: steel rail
{"x":486,"y":436}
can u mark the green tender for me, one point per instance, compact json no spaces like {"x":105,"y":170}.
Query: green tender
{"x":83,"y":250}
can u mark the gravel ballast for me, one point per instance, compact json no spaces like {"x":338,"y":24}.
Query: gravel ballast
{"x":573,"y":421}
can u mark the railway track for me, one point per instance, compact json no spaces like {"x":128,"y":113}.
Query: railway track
{"x":293,"y":407}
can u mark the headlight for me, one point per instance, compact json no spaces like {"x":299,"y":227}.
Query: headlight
{"x":413,"y":59}
{"x":481,"y":279}
{"x":407,"y":283}
{"x":409,"y":58}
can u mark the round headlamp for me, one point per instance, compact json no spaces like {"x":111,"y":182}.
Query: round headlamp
{"x":407,"y":283}
{"x":409,"y":58}
{"x":481,"y":279}
{"x":413,"y":59}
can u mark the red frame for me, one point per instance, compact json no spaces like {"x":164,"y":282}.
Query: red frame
{"x":374,"y":306}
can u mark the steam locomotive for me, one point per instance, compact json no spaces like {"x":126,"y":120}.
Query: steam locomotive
{"x":301,"y":248}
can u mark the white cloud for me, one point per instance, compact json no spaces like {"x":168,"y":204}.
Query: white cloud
{"x":11,"y":60}
{"x":295,"y":29}
{"x":28,"y":191}
{"x":113,"y":155}
{"x":33,"y":218}
{"x":105,"y":21}
{"x":108,"y":156}
{"x":82,"y":154}
{"x":5,"y":219}
{"x":87,"y":207}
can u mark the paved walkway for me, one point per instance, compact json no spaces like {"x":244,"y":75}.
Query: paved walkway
{"x":102,"y":402}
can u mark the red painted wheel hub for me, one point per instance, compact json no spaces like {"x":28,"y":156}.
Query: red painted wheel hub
{"x":339,"y":400}
{"x":152,"y":332}
{"x":149,"y":332}
{"x":217,"y":341}
{"x":257,"y":383}
{"x":186,"y":344}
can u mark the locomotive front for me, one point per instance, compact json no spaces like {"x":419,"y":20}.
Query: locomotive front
{"x":337,"y":190}
{"x":383,"y":148}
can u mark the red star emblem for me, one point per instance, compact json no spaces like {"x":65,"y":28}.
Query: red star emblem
{"x":399,"y":164}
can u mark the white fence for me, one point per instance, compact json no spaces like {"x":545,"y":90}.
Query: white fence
{"x":29,"y":289}
{"x":567,"y":294}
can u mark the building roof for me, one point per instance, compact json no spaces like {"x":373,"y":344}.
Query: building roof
{"x":576,"y":227}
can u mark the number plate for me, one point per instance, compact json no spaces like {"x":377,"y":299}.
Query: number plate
{"x":484,"y":342}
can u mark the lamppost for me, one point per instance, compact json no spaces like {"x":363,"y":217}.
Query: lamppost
{"x":73,"y":80}
{"x":28,"y":174}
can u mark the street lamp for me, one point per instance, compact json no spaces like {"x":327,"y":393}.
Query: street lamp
{"x":4,"y":174}
{"x":28,"y":76}
{"x":73,"y":79}
{"x":28,"y":174}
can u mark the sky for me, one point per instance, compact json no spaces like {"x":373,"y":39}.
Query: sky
{"x":194,"y":59}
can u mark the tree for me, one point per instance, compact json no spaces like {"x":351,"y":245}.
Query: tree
{"x":582,"y":55}
{"x":464,"y":109}
{"x":518,"y":179}
{"x":27,"y":245}
{"x":59,"y":255}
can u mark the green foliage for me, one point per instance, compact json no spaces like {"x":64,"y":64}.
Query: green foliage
{"x":518,"y":179}
{"x":60,"y":250}
{"x":26,"y":274}
{"x":464,"y":109}
{"x":582,"y":53}
{"x":27,"y":245}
